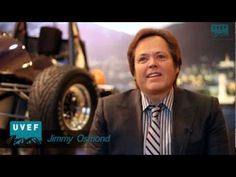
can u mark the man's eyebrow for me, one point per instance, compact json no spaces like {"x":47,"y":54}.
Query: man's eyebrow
{"x":157,"y":52}
{"x":143,"y":54}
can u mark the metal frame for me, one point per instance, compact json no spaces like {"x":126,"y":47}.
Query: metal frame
{"x":21,"y":90}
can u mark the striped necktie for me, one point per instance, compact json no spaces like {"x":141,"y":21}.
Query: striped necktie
{"x":153,"y":136}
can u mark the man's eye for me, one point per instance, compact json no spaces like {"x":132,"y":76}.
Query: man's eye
{"x":161,"y":57}
{"x":142,"y":59}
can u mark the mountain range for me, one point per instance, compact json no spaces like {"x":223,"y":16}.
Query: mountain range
{"x":196,"y":39}
{"x":199,"y":44}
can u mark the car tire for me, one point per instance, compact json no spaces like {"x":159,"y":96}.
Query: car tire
{"x":64,"y":98}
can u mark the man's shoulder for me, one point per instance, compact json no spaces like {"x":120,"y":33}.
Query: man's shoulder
{"x":121,"y":97}
{"x":194,"y":96}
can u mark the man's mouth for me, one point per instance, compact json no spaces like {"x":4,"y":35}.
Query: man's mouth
{"x":154,"y":74}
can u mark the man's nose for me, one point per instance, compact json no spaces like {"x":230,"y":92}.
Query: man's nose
{"x":153,"y":62}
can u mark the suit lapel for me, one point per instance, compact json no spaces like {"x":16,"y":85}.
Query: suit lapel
{"x":131,"y":112}
{"x":183,"y":116}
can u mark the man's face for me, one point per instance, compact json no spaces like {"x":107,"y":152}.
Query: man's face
{"x":154,"y":67}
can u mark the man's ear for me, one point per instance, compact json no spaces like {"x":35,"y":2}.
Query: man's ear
{"x":134,"y":76}
{"x":177,"y":70}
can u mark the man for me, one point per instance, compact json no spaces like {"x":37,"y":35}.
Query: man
{"x":158,"y":118}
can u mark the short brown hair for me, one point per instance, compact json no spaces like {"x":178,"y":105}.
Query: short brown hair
{"x":171,"y":41}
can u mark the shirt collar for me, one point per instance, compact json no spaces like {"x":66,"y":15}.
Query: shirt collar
{"x":167,"y":101}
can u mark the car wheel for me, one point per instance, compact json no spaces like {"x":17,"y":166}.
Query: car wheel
{"x":64,"y":98}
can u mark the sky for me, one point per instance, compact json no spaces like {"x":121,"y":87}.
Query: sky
{"x":133,"y":27}
{"x":126,"y":27}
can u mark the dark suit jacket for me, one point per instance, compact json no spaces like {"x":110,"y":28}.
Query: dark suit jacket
{"x":198,"y":125}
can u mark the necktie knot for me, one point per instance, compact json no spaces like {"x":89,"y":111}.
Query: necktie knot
{"x":158,"y":108}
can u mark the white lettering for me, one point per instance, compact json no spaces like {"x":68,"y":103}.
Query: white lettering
{"x":29,"y":127}
{"x":36,"y":126}
{"x":15,"y":127}
{"x":22,"y":126}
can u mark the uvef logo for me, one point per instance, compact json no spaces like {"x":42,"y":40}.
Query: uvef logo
{"x":26,"y":132}
{"x":220,"y":30}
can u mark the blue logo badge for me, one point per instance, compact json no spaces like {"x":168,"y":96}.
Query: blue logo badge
{"x":26,"y":132}
{"x":220,"y":30}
